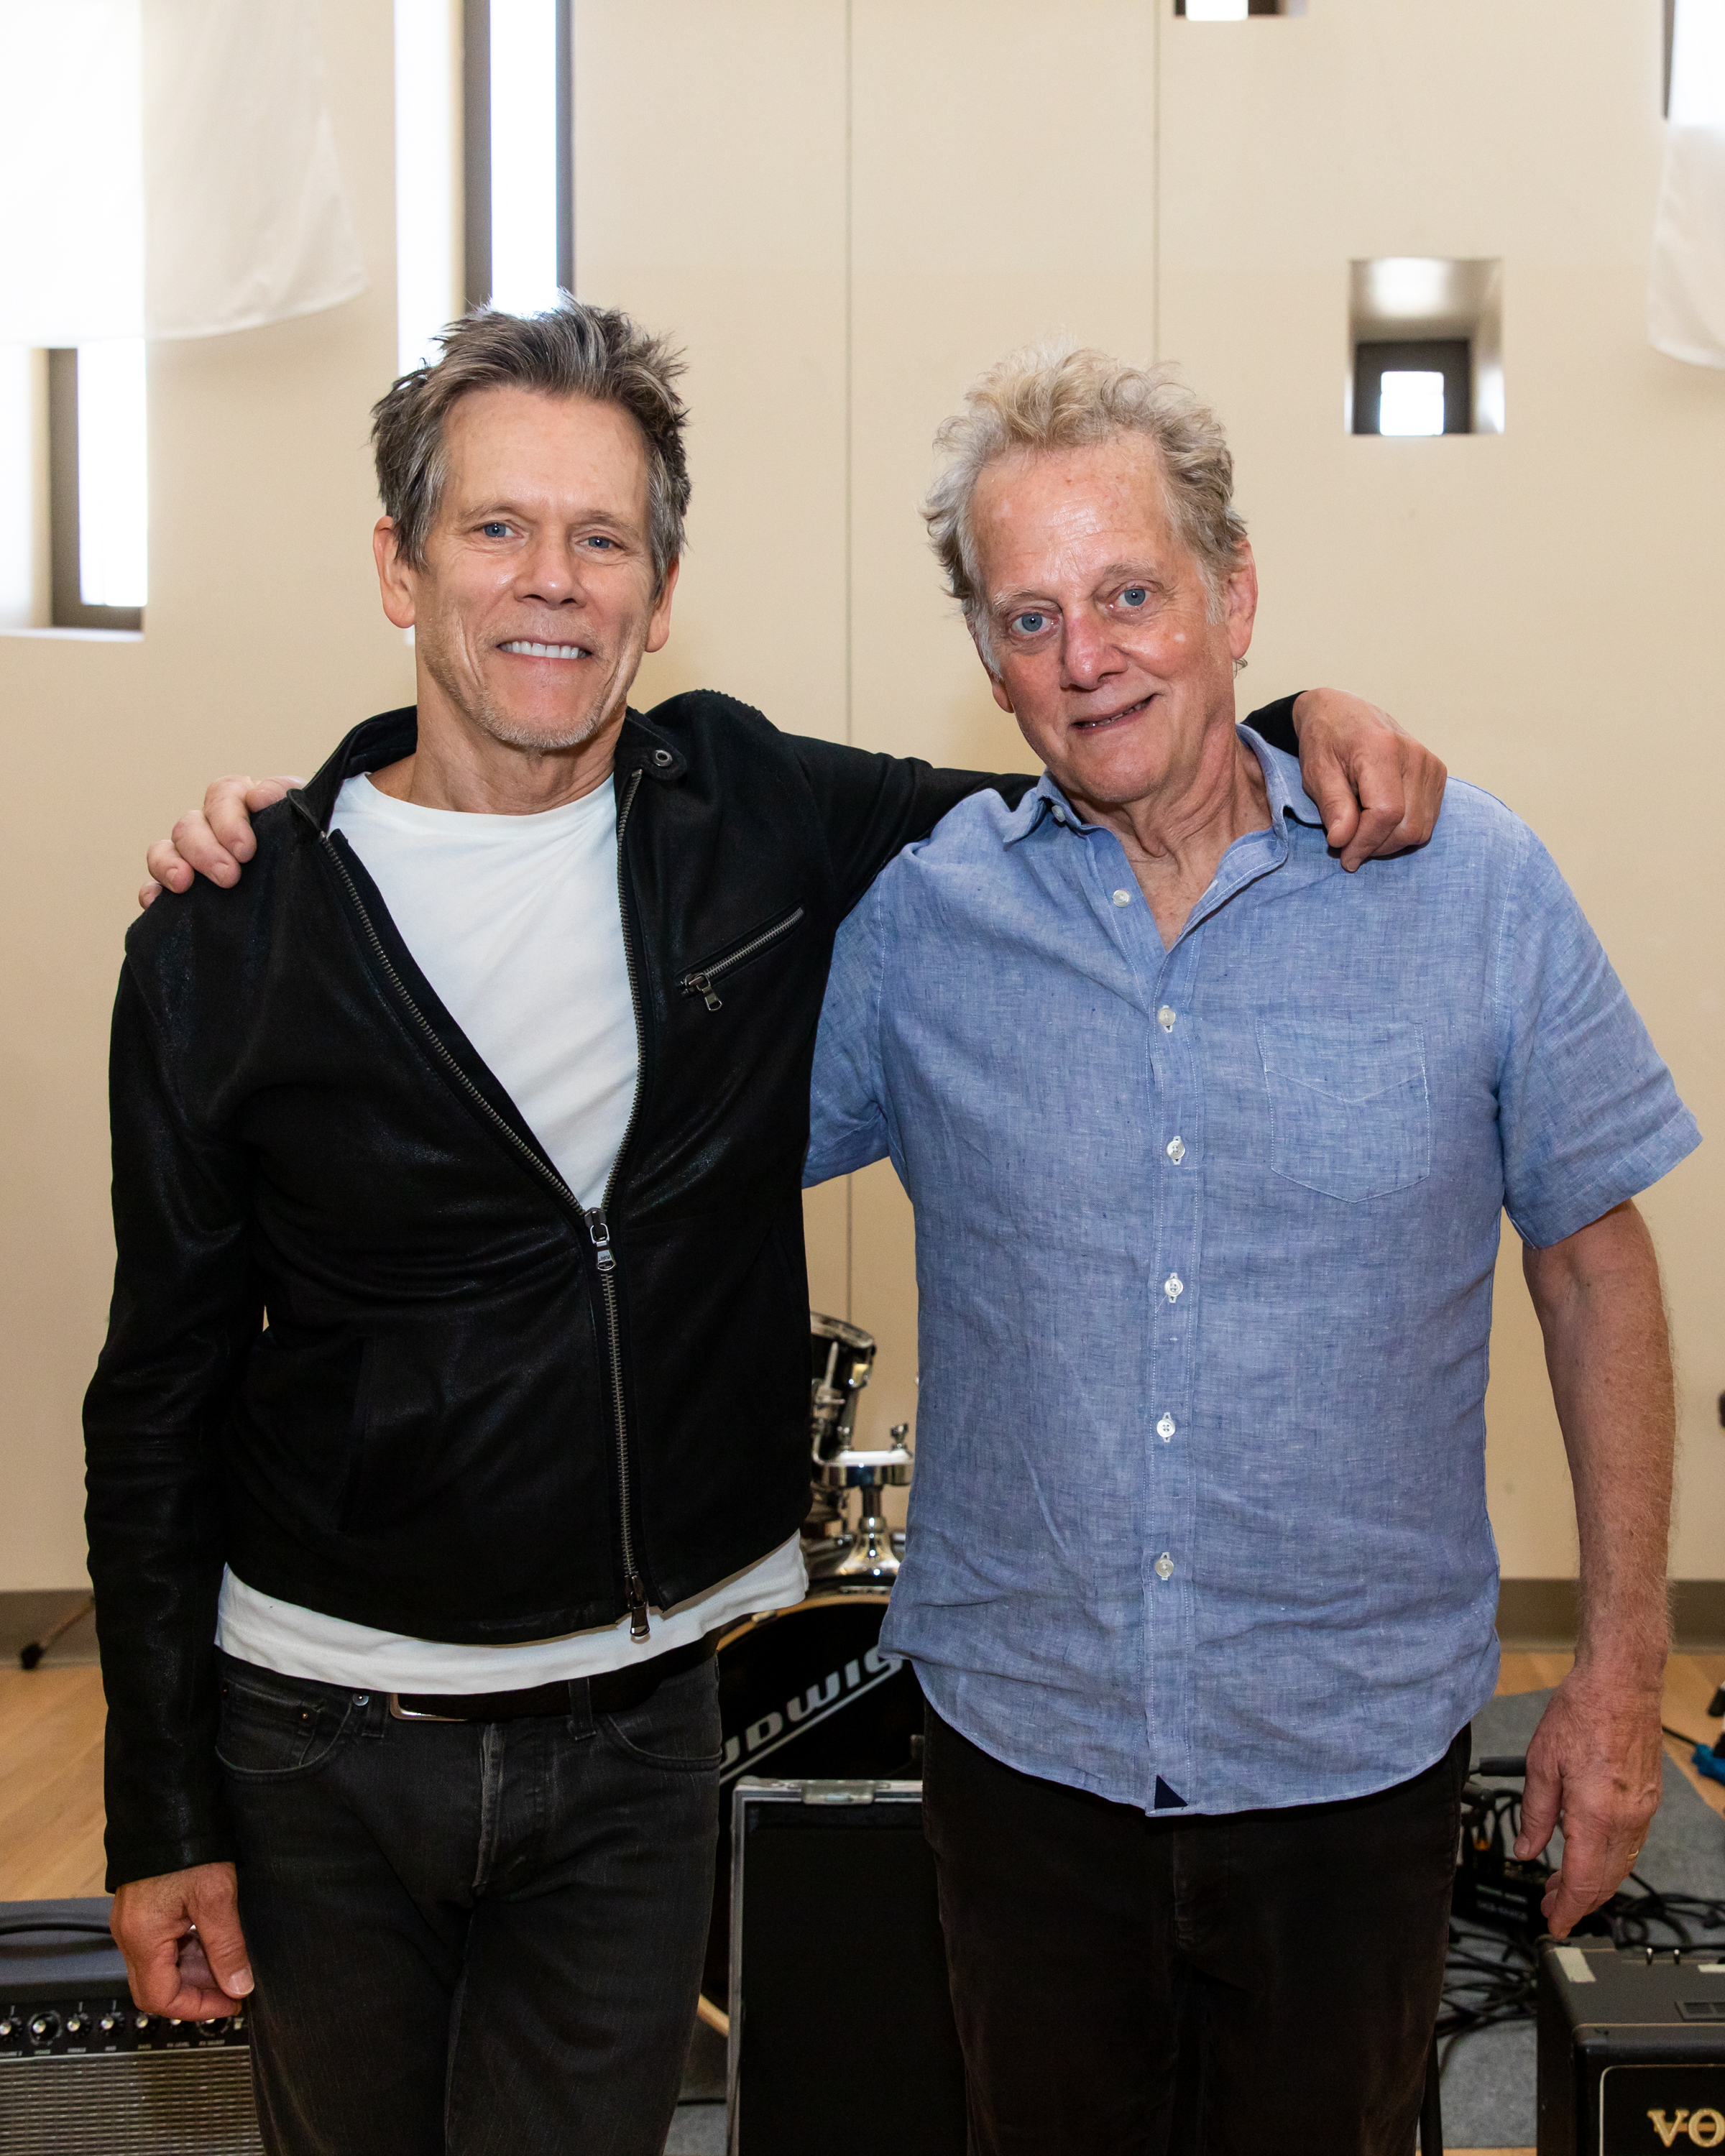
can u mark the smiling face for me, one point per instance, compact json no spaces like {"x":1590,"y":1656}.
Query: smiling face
{"x":537,"y":598}
{"x":1103,"y":641}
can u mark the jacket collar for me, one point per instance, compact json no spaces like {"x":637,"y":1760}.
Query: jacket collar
{"x":641,"y":746}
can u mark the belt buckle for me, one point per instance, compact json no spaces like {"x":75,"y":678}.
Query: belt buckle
{"x":399,"y":1714}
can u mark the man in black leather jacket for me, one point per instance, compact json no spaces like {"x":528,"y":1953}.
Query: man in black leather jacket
{"x":372,"y":1356}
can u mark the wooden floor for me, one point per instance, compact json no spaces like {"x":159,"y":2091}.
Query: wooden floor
{"x":51,"y":1768}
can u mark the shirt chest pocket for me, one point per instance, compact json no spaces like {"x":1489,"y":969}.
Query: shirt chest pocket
{"x":1349,"y":1113}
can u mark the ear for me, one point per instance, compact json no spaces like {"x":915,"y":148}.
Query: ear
{"x":659,"y":625}
{"x":397,"y":583}
{"x":1241,"y":601}
{"x":996,"y":685}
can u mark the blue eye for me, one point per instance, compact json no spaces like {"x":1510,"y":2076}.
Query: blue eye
{"x":1030,"y":623}
{"x":1134,"y":595}
{"x":598,"y":539}
{"x":495,"y":530}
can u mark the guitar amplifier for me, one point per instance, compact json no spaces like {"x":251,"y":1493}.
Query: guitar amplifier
{"x":84,"y":2073}
{"x":1631,"y":2049}
{"x":842,"y":2036}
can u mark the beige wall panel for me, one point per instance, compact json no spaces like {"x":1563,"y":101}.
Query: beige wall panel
{"x":1541,"y":605}
{"x":710,"y":201}
{"x":263,"y":644}
{"x":1004,"y":188}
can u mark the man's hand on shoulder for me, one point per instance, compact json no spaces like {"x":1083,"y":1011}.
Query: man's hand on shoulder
{"x":215,"y":840}
{"x":1595,"y":1767}
{"x":185,"y":1953}
{"x":1379,"y":789}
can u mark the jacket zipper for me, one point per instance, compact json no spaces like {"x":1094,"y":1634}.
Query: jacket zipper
{"x":598,"y":1225}
{"x":701,"y":983}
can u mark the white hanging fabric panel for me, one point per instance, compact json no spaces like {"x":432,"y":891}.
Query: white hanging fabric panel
{"x":168,"y":169}
{"x":1686,"y":283}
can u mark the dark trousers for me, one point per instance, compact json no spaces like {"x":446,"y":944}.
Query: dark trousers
{"x":1262,"y":1984}
{"x":471,"y":1939}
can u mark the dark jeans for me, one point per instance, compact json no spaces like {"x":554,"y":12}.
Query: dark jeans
{"x":471,"y":1937}
{"x":1262,"y":1984}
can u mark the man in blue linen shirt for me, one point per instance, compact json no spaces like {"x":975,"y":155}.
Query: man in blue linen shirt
{"x":1209,"y":1142}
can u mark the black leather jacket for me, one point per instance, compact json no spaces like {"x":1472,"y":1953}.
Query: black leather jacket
{"x":365,"y":1346}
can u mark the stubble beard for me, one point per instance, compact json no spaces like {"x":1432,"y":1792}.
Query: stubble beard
{"x":483,"y":711}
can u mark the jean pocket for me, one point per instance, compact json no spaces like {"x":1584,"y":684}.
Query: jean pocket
{"x":267,"y":1735}
{"x":1349,"y":1113}
{"x":677,"y":1726}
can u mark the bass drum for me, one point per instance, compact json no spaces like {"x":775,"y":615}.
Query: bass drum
{"x":806,"y":1693}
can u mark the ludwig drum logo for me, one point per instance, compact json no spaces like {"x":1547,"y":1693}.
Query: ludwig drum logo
{"x":834,"y":1692}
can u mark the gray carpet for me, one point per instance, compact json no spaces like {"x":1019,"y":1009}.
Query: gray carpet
{"x":1489,"y":2075}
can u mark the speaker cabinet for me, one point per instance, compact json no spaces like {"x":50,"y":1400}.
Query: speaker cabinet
{"x":1632,"y":2050}
{"x":84,"y":2073}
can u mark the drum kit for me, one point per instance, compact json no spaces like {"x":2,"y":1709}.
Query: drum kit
{"x":808,"y":1691}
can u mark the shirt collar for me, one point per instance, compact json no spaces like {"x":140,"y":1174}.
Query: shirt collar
{"x":1281,"y":779}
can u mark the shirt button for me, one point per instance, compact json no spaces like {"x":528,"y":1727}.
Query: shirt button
{"x":1165,"y":1428}
{"x":1173,"y":1287}
{"x":1164,"y":1566}
{"x":1122,"y":898}
{"x":1165,"y":1017}
{"x":1060,"y":815}
{"x":1177,"y":1150}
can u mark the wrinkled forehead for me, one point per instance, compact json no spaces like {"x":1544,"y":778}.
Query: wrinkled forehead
{"x":1040,"y":513}
{"x":534,"y":444}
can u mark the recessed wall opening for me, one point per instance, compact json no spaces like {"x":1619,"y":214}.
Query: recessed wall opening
{"x":1235,"y":10}
{"x":1425,"y":346}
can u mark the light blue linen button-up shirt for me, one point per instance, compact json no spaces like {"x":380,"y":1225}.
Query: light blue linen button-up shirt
{"x":1204,"y":1248}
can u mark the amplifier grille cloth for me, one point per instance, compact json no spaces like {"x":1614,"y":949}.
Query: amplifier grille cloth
{"x":164,"y":2103}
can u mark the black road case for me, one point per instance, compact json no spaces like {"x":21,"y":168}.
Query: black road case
{"x":842,"y":2036}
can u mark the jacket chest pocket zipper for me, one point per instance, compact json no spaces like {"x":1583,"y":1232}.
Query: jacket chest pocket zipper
{"x":700,"y":983}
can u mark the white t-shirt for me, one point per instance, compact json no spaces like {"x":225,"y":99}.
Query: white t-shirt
{"x":515,"y":921}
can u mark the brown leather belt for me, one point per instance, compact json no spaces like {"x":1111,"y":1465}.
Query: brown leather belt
{"x":613,"y":1691}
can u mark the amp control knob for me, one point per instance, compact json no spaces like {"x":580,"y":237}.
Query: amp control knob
{"x":44,"y":2027}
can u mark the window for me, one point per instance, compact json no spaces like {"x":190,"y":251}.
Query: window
{"x":1695,"y":63}
{"x":519,"y":155}
{"x":98,"y":485}
{"x":74,"y":479}
{"x":1419,"y":386}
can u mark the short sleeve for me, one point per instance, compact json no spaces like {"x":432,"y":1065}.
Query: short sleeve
{"x":1588,"y":1113}
{"x":847,"y":1112}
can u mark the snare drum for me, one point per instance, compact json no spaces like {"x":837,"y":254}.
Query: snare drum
{"x":807,"y":1692}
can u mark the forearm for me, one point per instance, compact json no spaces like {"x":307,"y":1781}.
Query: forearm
{"x":187,"y":1310}
{"x":154,"y":1523}
{"x":1608,"y":1355}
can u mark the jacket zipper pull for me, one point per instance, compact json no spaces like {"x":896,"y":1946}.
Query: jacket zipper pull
{"x":702,"y":983}
{"x":639,"y":1628}
{"x":599,"y":1228}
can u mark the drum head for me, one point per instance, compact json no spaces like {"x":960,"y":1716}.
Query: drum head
{"x":806,"y":1694}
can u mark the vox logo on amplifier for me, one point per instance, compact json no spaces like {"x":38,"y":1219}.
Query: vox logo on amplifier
{"x":1644,"y":2108}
